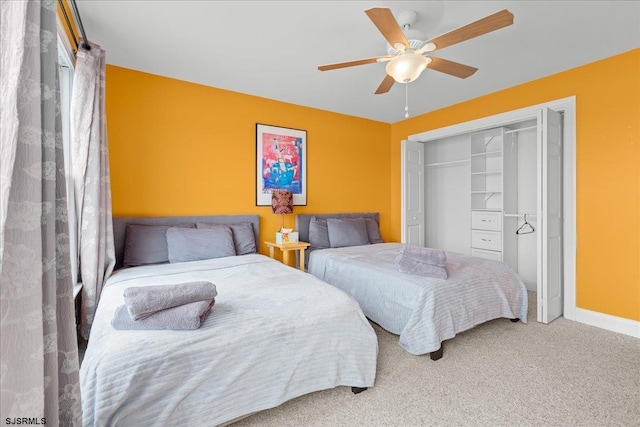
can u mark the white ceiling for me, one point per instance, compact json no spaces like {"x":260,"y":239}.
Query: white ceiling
{"x":272,"y":48}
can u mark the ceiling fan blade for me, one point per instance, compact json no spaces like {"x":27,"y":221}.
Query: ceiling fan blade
{"x":385,"y":85}
{"x":387,"y":24}
{"x":350,"y":63}
{"x":485,"y":25}
{"x":453,"y":68}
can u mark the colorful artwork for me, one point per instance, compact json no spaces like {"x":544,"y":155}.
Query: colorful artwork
{"x":281,"y":163}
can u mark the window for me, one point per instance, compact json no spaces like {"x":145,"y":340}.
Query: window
{"x":65,"y":75}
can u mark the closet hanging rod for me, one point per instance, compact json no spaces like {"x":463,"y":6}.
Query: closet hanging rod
{"x":518,"y":130}
{"x":452,"y":162}
{"x":521,"y":215}
{"x":78,"y":20}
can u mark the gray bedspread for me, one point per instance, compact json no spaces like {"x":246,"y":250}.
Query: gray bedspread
{"x":275,"y":333}
{"x":424,"y":311}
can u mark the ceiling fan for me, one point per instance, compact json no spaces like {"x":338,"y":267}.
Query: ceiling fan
{"x":406,"y":58}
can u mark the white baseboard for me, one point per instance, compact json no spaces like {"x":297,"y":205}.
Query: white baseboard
{"x":608,"y":322}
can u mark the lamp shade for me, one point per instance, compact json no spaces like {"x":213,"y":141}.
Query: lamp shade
{"x":407,"y":67}
{"x":282,"y":201}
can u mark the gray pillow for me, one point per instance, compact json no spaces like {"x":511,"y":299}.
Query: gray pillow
{"x":186,"y":244}
{"x":244,"y":239}
{"x":147,"y":244}
{"x":318,"y":233}
{"x":373,"y":231}
{"x":347,"y":232}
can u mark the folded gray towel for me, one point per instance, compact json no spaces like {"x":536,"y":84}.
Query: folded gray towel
{"x":409,"y":266}
{"x":186,"y":316}
{"x":144,"y":301}
{"x":436,"y":257}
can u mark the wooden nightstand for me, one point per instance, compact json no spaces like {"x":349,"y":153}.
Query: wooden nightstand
{"x":286,"y":248}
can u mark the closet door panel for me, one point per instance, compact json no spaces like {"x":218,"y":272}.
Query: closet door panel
{"x":412,"y":193}
{"x":550,"y":303}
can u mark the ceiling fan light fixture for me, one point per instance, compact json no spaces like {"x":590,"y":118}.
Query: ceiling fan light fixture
{"x":407,"y":67}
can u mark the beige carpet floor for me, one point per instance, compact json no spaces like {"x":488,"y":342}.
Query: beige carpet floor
{"x":497,"y":374}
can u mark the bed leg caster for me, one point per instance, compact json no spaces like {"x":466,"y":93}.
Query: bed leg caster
{"x":435,"y":355}
{"x":356,"y":390}
{"x":515,"y":320}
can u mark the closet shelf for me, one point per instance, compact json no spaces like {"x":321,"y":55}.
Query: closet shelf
{"x":487,"y":173}
{"x":520,"y":130}
{"x":487,"y":153}
{"x":486,"y":192}
{"x":450,"y":162}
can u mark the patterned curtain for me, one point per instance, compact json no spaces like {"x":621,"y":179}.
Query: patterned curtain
{"x":39,"y":353}
{"x":90,"y":171}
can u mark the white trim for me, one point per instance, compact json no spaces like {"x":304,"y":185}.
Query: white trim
{"x":608,"y":322}
{"x":403,"y":194}
{"x":64,"y":45}
{"x":568,"y":107}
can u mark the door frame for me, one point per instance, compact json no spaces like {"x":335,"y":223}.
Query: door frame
{"x":567,"y":106}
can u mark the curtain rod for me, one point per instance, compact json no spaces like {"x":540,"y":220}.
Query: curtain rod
{"x":66,"y":18}
{"x":85,"y":40}
{"x":76,"y":16}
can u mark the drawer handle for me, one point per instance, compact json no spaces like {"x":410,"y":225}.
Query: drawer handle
{"x":486,"y":240}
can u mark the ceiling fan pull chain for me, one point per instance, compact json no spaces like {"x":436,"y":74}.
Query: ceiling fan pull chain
{"x":406,"y":100}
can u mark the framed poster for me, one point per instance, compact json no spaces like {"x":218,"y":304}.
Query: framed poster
{"x":281,"y":163}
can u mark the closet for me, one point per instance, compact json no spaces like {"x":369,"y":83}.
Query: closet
{"x":496,"y":190}
{"x":478,"y":188}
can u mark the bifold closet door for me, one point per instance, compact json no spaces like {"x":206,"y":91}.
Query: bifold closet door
{"x":412,"y":174}
{"x":549,"y":195}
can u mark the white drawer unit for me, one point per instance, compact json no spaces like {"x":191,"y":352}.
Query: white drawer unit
{"x":481,"y":253}
{"x":486,"y":220}
{"x":491,"y":240}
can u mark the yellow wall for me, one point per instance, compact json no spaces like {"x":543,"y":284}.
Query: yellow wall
{"x":178,"y":148}
{"x":607,"y":176}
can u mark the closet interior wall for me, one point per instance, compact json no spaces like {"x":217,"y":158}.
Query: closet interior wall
{"x":447,"y":186}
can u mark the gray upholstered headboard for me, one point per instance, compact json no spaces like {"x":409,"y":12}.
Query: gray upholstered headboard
{"x":303,"y":220}
{"x":120,"y":226}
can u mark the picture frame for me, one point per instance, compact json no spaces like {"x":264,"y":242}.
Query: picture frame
{"x":281,"y":163}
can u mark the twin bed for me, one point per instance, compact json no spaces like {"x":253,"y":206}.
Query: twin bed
{"x":275,"y":333}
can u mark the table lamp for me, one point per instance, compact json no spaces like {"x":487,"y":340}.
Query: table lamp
{"x":282,"y":203}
